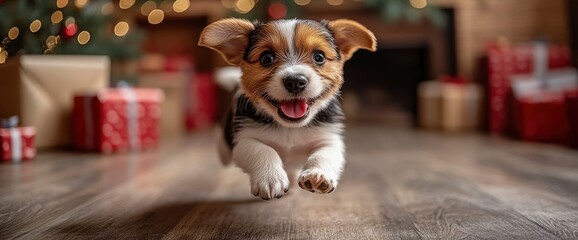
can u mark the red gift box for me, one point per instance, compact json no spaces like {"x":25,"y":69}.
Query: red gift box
{"x":572,"y":111}
{"x":118,"y":119}
{"x":201,"y":102}
{"x":541,"y":117}
{"x":505,"y":61}
{"x":17,"y":143}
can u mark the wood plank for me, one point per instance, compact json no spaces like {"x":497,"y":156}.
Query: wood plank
{"x":398,"y":184}
{"x":543,"y":190}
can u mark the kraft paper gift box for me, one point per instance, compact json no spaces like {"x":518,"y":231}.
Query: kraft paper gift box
{"x":450,"y":104}
{"x":16,"y":143}
{"x":39,"y":90}
{"x":173,"y":85}
{"x":117,"y":120}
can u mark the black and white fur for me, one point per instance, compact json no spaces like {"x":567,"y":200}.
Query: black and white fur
{"x":273,"y":150}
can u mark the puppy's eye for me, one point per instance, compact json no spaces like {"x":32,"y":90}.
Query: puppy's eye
{"x":319,"y":58}
{"x":267,"y":58}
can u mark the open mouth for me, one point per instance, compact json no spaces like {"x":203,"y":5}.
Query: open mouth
{"x":293,"y":110}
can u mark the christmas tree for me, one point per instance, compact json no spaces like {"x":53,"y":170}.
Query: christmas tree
{"x":63,"y":27}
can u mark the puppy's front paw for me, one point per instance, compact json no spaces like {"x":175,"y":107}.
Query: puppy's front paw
{"x":317,"y":180}
{"x":270,"y":185}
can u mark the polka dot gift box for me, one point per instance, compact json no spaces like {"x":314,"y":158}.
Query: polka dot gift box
{"x":117,"y":120}
{"x":17,"y":143}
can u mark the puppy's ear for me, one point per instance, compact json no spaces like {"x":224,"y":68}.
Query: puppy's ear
{"x":350,"y":35}
{"x":229,"y":37}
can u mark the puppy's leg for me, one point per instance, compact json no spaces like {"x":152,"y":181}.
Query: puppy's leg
{"x":264,"y":166}
{"x":323,"y":168}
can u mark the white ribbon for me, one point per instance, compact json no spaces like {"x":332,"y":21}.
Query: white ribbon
{"x":132,"y":117}
{"x":540,"y":62}
{"x":16,"y":144}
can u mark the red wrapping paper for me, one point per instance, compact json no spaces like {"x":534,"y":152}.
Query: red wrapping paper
{"x":201,"y":103}
{"x":111,"y":122}
{"x":25,"y":138}
{"x":505,"y":61}
{"x":572,"y":110}
{"x":541,"y":118}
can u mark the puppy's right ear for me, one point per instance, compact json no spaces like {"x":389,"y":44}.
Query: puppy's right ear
{"x":229,"y":37}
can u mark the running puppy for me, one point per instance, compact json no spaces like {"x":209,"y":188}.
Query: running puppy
{"x":286,"y":119}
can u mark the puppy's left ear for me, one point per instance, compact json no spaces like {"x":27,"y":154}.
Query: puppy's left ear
{"x":229,"y":37}
{"x":350,"y":35}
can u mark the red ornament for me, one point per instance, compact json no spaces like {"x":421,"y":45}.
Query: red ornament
{"x":277,"y":10}
{"x":70,"y":30}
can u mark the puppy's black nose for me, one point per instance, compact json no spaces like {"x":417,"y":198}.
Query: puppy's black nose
{"x":295,"y":83}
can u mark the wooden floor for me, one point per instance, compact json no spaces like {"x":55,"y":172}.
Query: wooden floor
{"x":398,"y":184}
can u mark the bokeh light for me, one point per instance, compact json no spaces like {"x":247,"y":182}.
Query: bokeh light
{"x":80,"y":3}
{"x":3,"y":56}
{"x":147,"y":7}
{"x":69,"y":20}
{"x":51,"y":41}
{"x":245,"y":6}
{"x":83,"y":37}
{"x":70,"y":29}
{"x":35,"y":25}
{"x":181,"y":5}
{"x":126,"y":4}
{"x":61,"y":3}
{"x":277,"y":10}
{"x":13,"y":33}
{"x":107,"y":8}
{"x":56,"y":17}
{"x":121,"y":29}
{"x":418,"y":3}
{"x":156,"y":16}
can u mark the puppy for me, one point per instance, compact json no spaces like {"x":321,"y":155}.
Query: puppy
{"x":286,"y":120}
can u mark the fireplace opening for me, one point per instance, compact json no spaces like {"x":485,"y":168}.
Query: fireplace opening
{"x":381,"y":86}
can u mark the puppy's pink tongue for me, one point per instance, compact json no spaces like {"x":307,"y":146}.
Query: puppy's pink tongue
{"x":295,"y":108}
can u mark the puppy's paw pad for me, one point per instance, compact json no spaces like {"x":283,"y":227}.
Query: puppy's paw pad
{"x":316,"y":181}
{"x":269,"y":187}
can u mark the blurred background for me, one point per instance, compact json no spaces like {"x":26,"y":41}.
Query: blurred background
{"x":70,"y":68}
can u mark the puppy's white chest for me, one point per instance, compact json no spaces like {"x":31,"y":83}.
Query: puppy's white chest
{"x":294,"y":145}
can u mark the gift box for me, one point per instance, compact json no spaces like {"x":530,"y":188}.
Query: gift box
{"x":505,"y":60}
{"x":539,"y":105}
{"x":201,"y":104}
{"x":17,"y":142}
{"x":116,"y":120}
{"x":39,"y":90}
{"x":541,"y":117}
{"x":450,"y":104}
{"x":572,"y":111}
{"x":173,"y":85}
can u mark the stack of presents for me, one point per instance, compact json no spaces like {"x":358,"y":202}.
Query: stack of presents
{"x":49,"y":102}
{"x":530,"y":92}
